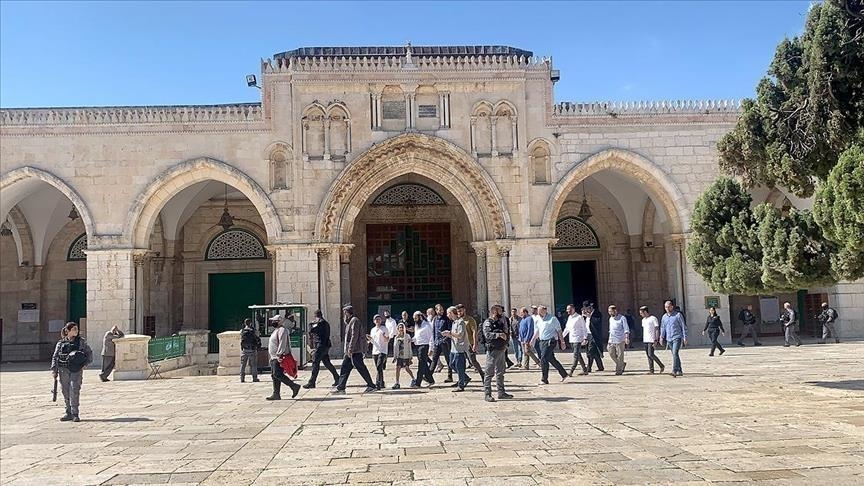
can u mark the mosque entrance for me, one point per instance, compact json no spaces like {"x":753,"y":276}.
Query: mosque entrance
{"x":574,"y":282}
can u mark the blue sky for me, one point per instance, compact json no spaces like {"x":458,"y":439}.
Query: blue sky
{"x":144,"y":53}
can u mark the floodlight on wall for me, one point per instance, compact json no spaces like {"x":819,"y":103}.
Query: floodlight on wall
{"x":73,"y":215}
{"x":584,"y":209}
{"x":251,"y":81}
{"x":226,"y":221}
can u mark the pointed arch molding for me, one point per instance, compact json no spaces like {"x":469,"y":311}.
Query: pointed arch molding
{"x":148,"y":204}
{"x":23,"y":174}
{"x":634,"y":166}
{"x":424,"y":155}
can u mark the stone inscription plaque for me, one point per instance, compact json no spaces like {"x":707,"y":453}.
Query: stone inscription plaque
{"x":427,"y":111}
{"x":393,"y":110}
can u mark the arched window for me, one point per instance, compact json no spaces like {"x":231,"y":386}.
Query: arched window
{"x":481,"y":129}
{"x":408,"y":195}
{"x":76,"y":249}
{"x":235,"y":244}
{"x":575,"y":233}
{"x":540,"y":165}
{"x":313,"y":132}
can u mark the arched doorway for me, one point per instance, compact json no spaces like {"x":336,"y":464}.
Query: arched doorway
{"x":44,"y":228}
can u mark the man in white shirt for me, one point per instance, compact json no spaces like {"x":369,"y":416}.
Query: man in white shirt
{"x":548,"y":334}
{"x":423,"y":339}
{"x":390,"y":324}
{"x":619,"y":338}
{"x":577,"y":331}
{"x":650,"y":337}
{"x":379,"y":337}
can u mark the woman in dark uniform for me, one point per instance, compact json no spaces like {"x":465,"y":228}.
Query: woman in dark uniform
{"x":714,"y":327}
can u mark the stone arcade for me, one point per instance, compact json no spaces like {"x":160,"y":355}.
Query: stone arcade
{"x":383,"y":176}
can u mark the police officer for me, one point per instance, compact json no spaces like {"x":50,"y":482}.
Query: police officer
{"x":496,"y":333}
{"x":828,"y":317}
{"x":749,"y":321}
{"x":71,"y":355}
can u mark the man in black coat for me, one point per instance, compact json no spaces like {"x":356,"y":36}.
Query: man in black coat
{"x":319,"y":345}
{"x":595,"y":342}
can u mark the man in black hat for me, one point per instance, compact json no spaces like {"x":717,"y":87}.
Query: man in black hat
{"x":595,"y":338}
{"x":319,"y":340}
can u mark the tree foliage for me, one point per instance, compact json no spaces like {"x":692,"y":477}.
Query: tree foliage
{"x":804,"y":131}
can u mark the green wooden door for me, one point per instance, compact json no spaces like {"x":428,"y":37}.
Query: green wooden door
{"x":77,"y":301}
{"x":562,"y":283}
{"x":230,"y":296}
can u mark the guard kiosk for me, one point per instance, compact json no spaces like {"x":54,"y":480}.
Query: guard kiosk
{"x":262,"y":313}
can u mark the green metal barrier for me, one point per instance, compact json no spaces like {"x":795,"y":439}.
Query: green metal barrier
{"x":166,"y":347}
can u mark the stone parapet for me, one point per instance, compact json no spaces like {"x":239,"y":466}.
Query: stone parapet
{"x":119,"y":115}
{"x":229,"y":353}
{"x":130,"y":356}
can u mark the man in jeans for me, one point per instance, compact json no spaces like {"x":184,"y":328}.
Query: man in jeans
{"x":619,"y":338}
{"x":458,"y":347}
{"x":250,"y":343}
{"x":495,"y":333}
{"x":650,"y":336}
{"x":548,"y":332}
{"x":674,"y":331}
{"x":526,"y":332}
{"x":471,"y":332}
{"x":577,"y":330}
{"x":515,"y":318}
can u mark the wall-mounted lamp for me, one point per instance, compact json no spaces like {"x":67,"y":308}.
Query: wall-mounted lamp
{"x":251,"y":81}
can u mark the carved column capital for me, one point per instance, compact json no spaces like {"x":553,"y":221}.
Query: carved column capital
{"x":503,"y":248}
{"x":344,"y":250}
{"x":139,"y":257}
{"x":479,"y":248}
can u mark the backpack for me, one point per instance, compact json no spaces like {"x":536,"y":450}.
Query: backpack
{"x":71,"y":356}
{"x":834,"y":313}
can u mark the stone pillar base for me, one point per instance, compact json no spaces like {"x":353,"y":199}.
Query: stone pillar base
{"x":229,"y":353}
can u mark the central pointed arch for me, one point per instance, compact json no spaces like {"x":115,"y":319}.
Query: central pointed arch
{"x":424,"y":155}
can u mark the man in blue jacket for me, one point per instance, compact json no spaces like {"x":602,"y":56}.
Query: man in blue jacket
{"x":526,"y":332}
{"x":673,"y":329}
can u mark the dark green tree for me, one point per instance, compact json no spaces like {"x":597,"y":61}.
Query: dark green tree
{"x":798,"y":133}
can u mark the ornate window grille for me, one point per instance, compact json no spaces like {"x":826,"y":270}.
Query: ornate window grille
{"x":408,"y":195}
{"x":575,"y":233}
{"x":235,"y":244}
{"x":76,"y":249}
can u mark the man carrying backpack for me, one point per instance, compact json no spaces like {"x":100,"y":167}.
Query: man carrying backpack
{"x":828,"y":318}
{"x":250,"y":343}
{"x":749,"y":321}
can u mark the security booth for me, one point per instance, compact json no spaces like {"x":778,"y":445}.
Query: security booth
{"x":261,"y":314}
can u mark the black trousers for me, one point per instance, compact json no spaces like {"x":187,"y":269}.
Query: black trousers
{"x":592,"y":358}
{"x":348,"y":364}
{"x":380,"y":364}
{"x":577,"y":358}
{"x":652,"y":358}
{"x":322,"y":355}
{"x":547,"y":357}
{"x":714,"y":334}
{"x":472,"y":359}
{"x":423,"y":370}
{"x":442,"y":349}
{"x":279,"y":377}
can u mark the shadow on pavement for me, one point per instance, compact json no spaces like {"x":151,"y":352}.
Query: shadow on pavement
{"x":120,"y":420}
{"x":542,"y":399}
{"x":840,"y":385}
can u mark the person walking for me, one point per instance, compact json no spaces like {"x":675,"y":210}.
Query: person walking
{"x":458,"y":348}
{"x":279,"y":346}
{"x":402,"y":353}
{"x":108,"y":352}
{"x":789,"y":320}
{"x":828,"y":318}
{"x":515,"y":319}
{"x":674,"y":331}
{"x":319,"y":341}
{"x":423,"y":339}
{"x":355,"y":346}
{"x":548,"y":332}
{"x":650,"y":338}
{"x":619,"y":338}
{"x":250,"y":343}
{"x":714,"y":327}
{"x":390,"y":324}
{"x":71,"y":355}
{"x":526,"y":332}
{"x":471,"y":334}
{"x":495,"y":330}
{"x":379,"y":337}
{"x":441,"y":345}
{"x":576,"y":330}
{"x":748,"y":321}
{"x":595,"y":337}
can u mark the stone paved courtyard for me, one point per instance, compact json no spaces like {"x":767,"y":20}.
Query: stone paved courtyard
{"x":765,"y":415}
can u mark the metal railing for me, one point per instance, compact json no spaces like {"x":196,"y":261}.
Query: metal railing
{"x":166,"y":348}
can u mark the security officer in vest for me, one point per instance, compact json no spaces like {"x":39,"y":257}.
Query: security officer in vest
{"x":71,"y":355}
{"x":496,"y":335}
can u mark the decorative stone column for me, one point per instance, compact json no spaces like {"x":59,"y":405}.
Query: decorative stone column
{"x":482,"y":292}
{"x":110,"y":295}
{"x":229,"y":353}
{"x":515,"y":134}
{"x":139,"y":258}
{"x":332,"y":286}
{"x":326,"y":123}
{"x":503,"y":249}
{"x":493,"y":122}
{"x":474,"y":136}
{"x":304,"y":131}
{"x":130,"y":357}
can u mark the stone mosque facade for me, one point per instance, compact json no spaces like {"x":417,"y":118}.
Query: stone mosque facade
{"x":387,"y":177}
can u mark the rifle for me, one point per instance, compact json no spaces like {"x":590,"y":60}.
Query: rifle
{"x":54,"y":392}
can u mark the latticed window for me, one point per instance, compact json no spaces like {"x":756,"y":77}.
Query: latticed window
{"x":408,"y":195}
{"x":76,"y":250}
{"x":236,"y":244}
{"x":574,"y":233}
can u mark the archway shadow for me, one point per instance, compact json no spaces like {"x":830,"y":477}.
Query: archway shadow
{"x":840,"y":385}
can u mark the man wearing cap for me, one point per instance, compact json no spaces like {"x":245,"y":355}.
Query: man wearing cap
{"x":548,"y":333}
{"x":495,"y":332}
{"x":355,"y":346}
{"x":279,"y":346}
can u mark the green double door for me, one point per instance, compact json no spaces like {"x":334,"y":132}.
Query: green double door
{"x":231,"y":294}
{"x":77,"y":301}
